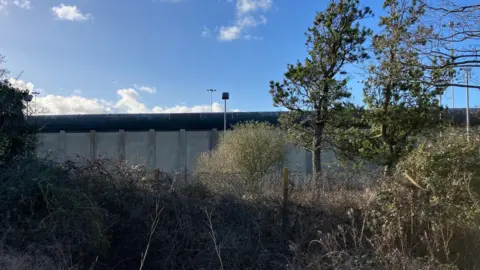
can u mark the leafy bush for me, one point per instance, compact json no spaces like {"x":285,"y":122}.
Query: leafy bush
{"x":17,"y":137}
{"x":250,"y":150}
{"x":430,"y":207}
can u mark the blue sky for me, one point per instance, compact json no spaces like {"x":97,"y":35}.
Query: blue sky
{"x":109,"y":55}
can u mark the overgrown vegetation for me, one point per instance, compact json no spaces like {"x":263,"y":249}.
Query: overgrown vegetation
{"x":232,"y":213}
{"x":102,"y":215}
{"x":437,"y":214}
{"x":90,"y":216}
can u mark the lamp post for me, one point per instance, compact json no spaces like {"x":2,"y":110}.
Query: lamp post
{"x":225,"y":97}
{"x":467,"y":107}
{"x":211,"y":98}
{"x":35,"y":93}
{"x":27,"y":99}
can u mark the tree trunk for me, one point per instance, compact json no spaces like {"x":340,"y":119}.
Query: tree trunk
{"x":317,"y":162}
{"x":316,"y":153}
{"x":388,"y":169}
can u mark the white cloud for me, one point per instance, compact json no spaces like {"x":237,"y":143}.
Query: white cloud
{"x":128,"y":102}
{"x":20,"y":84}
{"x":216,"y":107}
{"x":148,"y":89}
{"x":230,"y":33}
{"x":77,"y":92}
{"x":3,"y":4}
{"x":250,"y":21}
{"x":70,"y":13}
{"x":244,"y":19}
{"x":25,"y":4}
{"x":206,"y":32}
{"x":52,"y":104}
{"x":246,"y":6}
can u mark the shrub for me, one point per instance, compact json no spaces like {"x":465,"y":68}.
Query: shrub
{"x":250,"y":150}
{"x":76,"y":213}
{"x":44,"y":210}
{"x":17,"y":137}
{"x":429,"y":208}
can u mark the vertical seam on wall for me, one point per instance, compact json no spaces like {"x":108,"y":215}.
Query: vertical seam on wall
{"x":308,"y":162}
{"x":63,"y":145}
{"x":213,"y":139}
{"x":183,"y":150}
{"x":152,"y":145}
{"x":121,"y":145}
{"x":93,"y":144}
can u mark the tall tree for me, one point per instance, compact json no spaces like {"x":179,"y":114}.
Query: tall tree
{"x":314,"y":91}
{"x":400,"y":103}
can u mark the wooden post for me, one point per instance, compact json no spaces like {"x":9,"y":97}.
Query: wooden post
{"x":285,"y":199}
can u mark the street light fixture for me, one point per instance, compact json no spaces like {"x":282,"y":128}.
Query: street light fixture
{"x":211,"y":98}
{"x":27,"y":99}
{"x":225,"y":97}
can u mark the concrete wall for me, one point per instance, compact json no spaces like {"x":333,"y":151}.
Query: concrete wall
{"x":170,"y":151}
{"x":173,"y":142}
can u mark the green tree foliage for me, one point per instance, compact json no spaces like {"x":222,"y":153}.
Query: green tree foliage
{"x":17,"y":137}
{"x":399,"y":102}
{"x":314,"y":91}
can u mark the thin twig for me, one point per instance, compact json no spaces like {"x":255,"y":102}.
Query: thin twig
{"x":214,"y":238}
{"x":156,"y":219}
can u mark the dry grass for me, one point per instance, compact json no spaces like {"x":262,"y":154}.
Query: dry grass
{"x":113,"y":220}
{"x":107,"y":215}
